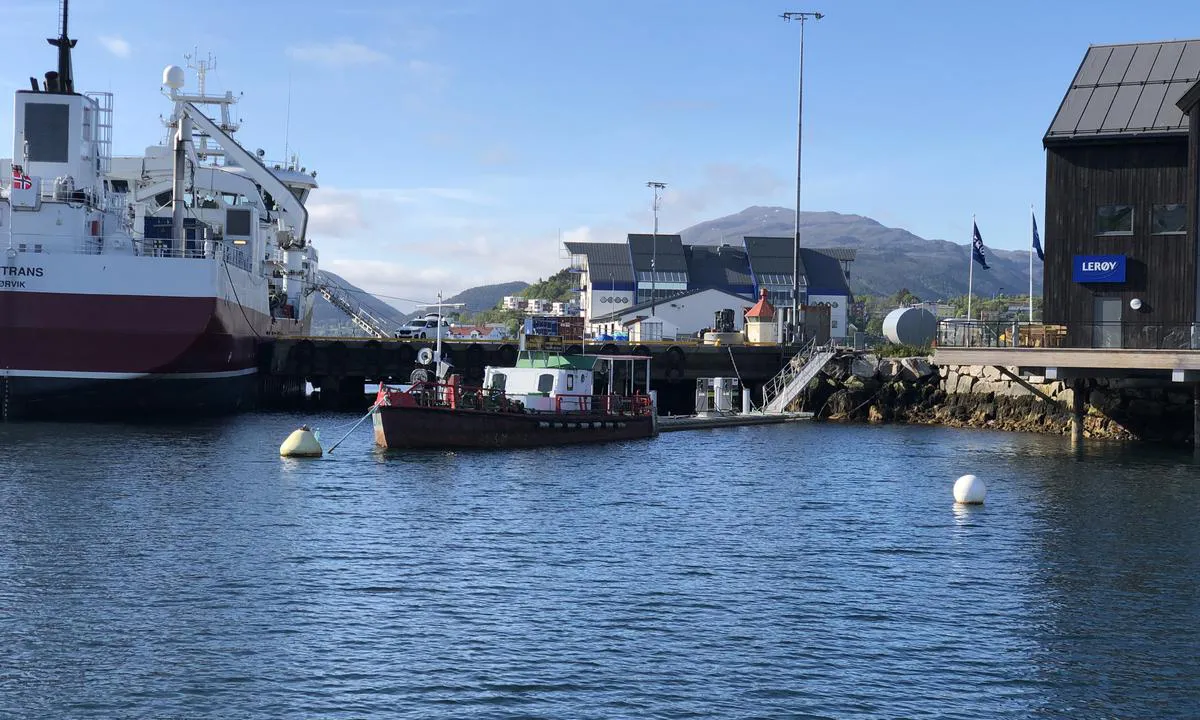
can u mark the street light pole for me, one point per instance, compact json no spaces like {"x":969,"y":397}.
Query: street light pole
{"x":801,"y":17}
{"x":658,"y":187}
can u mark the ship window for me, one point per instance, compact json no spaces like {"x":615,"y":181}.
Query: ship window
{"x":570,"y":382}
{"x":498,"y":381}
{"x":237,"y":222}
{"x":120,"y":186}
{"x":1169,"y":219}
{"x":545,"y":383}
{"x":46,"y":131}
{"x":1114,"y":220}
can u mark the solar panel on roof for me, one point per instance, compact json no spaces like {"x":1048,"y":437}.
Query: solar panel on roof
{"x":1147,"y":107}
{"x":1169,"y":115}
{"x":1118,"y":63}
{"x":1093,"y":65}
{"x":1143,"y":61}
{"x":1128,"y":90}
{"x":1167,"y":62}
{"x":1097,"y":110}
{"x":1072,"y":109}
{"x":1122,"y":107}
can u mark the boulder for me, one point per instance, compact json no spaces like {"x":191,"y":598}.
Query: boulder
{"x":864,"y":366}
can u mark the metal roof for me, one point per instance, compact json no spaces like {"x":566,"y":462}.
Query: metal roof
{"x":770,"y":255}
{"x":1128,"y":90}
{"x":605,"y":261}
{"x":722,"y":266}
{"x":841,"y":254}
{"x":823,"y":272}
{"x":667,"y":251}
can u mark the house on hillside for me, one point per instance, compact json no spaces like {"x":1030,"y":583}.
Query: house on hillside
{"x":1121,"y":192}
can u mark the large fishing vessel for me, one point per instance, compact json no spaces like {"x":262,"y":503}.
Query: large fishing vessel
{"x":132,"y":286}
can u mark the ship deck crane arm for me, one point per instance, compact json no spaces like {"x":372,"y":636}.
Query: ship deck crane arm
{"x":254,"y":168}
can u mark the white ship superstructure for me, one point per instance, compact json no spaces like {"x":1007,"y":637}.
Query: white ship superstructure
{"x":148,"y":284}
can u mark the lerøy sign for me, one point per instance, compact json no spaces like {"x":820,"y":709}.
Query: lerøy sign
{"x":1098,"y":269}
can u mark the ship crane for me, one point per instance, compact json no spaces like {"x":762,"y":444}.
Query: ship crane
{"x":256,"y":170}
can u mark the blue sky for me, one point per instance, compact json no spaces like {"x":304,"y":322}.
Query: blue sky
{"x":455,"y":140}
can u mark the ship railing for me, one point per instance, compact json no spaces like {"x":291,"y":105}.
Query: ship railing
{"x":468,"y":397}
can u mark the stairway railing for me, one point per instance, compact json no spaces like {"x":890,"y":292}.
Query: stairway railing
{"x":357,"y":313}
{"x":790,"y":381}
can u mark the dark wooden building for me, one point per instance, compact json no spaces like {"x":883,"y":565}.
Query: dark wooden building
{"x":1121,"y":193}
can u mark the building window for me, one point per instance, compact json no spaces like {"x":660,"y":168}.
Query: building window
{"x":1169,"y":219}
{"x":1114,"y":220}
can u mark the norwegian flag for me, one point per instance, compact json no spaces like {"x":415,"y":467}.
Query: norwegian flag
{"x":20,"y":180}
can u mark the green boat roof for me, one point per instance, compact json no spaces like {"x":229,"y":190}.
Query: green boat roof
{"x":540,"y":359}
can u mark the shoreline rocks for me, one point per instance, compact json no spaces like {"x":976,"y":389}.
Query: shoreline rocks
{"x":858,"y":387}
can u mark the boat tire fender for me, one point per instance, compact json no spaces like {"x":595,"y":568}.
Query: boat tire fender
{"x":675,"y":358}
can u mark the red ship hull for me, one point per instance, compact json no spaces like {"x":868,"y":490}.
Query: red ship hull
{"x":66,"y":356}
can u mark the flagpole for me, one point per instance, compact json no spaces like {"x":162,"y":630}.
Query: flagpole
{"x":971,"y":270}
{"x":1032,"y":220}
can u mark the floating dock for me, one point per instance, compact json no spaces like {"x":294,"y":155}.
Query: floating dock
{"x":703,"y":422}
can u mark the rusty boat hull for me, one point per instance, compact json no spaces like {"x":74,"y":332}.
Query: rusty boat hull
{"x":438,"y":428}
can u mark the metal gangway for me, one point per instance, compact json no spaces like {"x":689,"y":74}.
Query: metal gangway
{"x":788,"y":383}
{"x":341,"y":299}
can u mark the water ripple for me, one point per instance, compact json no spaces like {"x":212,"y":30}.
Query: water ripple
{"x":790,"y":571}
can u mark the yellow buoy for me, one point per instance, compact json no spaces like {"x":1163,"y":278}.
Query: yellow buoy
{"x":301,"y":443}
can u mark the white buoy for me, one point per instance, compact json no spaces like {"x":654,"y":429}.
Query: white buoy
{"x":969,"y":490}
{"x":301,"y":443}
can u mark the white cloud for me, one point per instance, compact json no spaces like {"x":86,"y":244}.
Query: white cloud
{"x":339,"y":53}
{"x":116,"y":45}
{"x":722,"y":184}
{"x":410,"y":243}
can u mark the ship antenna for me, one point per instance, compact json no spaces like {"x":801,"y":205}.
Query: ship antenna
{"x":66,"y":79}
{"x":287,"y":123}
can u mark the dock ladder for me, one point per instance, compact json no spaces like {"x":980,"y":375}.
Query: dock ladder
{"x":788,"y":383}
{"x":341,"y":299}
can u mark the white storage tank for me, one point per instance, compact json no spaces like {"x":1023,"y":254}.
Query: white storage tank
{"x":910,"y":326}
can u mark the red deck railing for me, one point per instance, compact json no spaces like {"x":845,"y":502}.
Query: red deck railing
{"x":465,"y":397}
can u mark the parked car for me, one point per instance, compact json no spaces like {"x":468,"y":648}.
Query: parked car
{"x":426,"y":327}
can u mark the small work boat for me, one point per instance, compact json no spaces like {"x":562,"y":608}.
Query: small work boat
{"x":546,"y":399}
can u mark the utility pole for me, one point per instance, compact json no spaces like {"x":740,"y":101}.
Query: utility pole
{"x":801,"y":17}
{"x":658,"y":187}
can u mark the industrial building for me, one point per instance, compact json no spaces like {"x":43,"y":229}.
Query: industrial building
{"x":1121,"y":192}
{"x":670,"y":289}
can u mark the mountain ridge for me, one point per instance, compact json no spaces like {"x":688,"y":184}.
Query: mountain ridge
{"x":889,"y":259}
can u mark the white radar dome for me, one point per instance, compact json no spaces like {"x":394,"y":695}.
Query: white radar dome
{"x":173,"y":77}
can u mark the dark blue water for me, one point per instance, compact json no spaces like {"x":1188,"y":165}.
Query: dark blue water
{"x":786,"y":571}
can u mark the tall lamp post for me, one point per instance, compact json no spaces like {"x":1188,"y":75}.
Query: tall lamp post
{"x":658,"y":187}
{"x":801,"y":17}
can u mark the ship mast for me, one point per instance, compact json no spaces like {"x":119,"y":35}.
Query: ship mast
{"x":64,"y":81}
